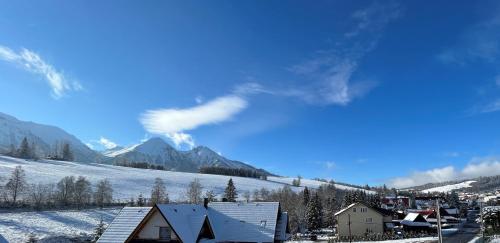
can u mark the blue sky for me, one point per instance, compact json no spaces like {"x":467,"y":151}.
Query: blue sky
{"x":372,"y":92}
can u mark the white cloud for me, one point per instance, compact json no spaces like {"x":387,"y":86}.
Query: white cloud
{"x":174,"y":122}
{"x":32,"y":62}
{"x":108,"y":144}
{"x":491,"y":107}
{"x":90,"y":145}
{"x":332,"y":72}
{"x":480,"y":42}
{"x":330,"y":165}
{"x":475,"y":168}
{"x":179,"y":138}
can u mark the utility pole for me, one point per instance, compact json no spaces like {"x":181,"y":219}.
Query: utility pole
{"x":349,"y":224}
{"x":438,"y":217}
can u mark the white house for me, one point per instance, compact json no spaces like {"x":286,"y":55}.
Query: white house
{"x":188,"y":223}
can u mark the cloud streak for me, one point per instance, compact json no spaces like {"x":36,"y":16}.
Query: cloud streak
{"x":108,"y":144}
{"x":32,"y":62}
{"x":173,"y":123}
{"x":475,"y":168}
{"x":331,"y":73}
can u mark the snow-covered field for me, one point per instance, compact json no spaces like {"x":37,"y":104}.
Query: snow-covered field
{"x":449,"y":188}
{"x":310,"y":183}
{"x":130,"y":182}
{"x":16,"y":226}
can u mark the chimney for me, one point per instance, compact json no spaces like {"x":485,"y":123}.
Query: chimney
{"x":205,"y":202}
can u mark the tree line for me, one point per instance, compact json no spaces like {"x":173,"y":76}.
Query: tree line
{"x":241,"y":172}
{"x":69,"y":192}
{"x":29,"y":150}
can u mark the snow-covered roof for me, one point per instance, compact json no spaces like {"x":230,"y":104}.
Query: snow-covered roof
{"x":124,"y":224}
{"x":243,"y":222}
{"x":345,"y":209}
{"x":350,"y":206}
{"x":3,"y":240}
{"x":186,"y":219}
{"x":281,"y":227}
{"x":415,"y":219}
{"x":452,"y":211}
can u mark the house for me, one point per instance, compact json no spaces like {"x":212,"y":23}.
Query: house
{"x":211,"y":222}
{"x":358,"y":219}
{"x":391,"y":202}
{"x":415,"y":222}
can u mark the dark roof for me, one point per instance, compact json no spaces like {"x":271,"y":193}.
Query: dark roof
{"x":383,"y":211}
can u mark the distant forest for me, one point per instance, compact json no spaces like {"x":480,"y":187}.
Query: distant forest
{"x":233,"y":172}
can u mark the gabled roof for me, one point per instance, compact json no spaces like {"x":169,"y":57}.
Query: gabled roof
{"x":244,"y":222}
{"x":416,"y":220}
{"x":354,"y":204}
{"x":124,"y":224}
{"x":185,"y":219}
{"x":3,"y":240}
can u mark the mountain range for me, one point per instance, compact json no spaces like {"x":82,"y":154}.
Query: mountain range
{"x":49,"y":139}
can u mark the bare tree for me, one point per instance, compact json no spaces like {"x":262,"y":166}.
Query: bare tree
{"x":38,"y":195}
{"x":246,"y":195}
{"x":104,"y":193}
{"x":194,"y":191}
{"x":16,"y":184}
{"x":83,"y":192}
{"x":159,"y":192}
{"x":66,"y":190}
{"x":210,"y":196}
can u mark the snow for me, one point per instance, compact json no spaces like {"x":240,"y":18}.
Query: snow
{"x":114,"y":153}
{"x":16,"y":226}
{"x":409,"y":240}
{"x":129,"y":182}
{"x":449,"y":188}
{"x":311,"y":183}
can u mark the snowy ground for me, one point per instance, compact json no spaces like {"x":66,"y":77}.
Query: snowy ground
{"x":16,"y":226}
{"x":424,"y":239}
{"x":449,"y":188}
{"x":311,"y":183}
{"x":130,"y":182}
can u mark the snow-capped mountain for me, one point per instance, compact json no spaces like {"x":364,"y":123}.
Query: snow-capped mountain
{"x":157,"y":151}
{"x":45,"y":137}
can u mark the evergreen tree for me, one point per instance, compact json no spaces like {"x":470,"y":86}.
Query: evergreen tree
{"x":140,"y":200}
{"x":24,"y":149}
{"x":306,"y":196}
{"x":230,"y":192}
{"x":313,"y":213}
{"x":330,"y":212}
{"x":67,"y":154}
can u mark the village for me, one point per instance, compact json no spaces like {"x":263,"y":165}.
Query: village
{"x":454,"y":217}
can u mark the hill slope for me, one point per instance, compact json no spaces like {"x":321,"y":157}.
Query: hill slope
{"x":130,"y":182}
{"x":46,"y":138}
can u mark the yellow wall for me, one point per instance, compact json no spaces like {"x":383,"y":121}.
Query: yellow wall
{"x":152,"y":228}
{"x":359,"y":224}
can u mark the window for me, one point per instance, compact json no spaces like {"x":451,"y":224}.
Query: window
{"x":263,"y":223}
{"x":364,"y":210}
{"x":353,"y":210}
{"x":368,"y":220}
{"x":164,"y":233}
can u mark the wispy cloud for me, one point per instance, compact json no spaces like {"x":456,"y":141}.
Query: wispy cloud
{"x":33,"y":63}
{"x":173,"y":123}
{"x":330,"y":73}
{"x":480,"y":42}
{"x":108,"y":144}
{"x":476,"y":167}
